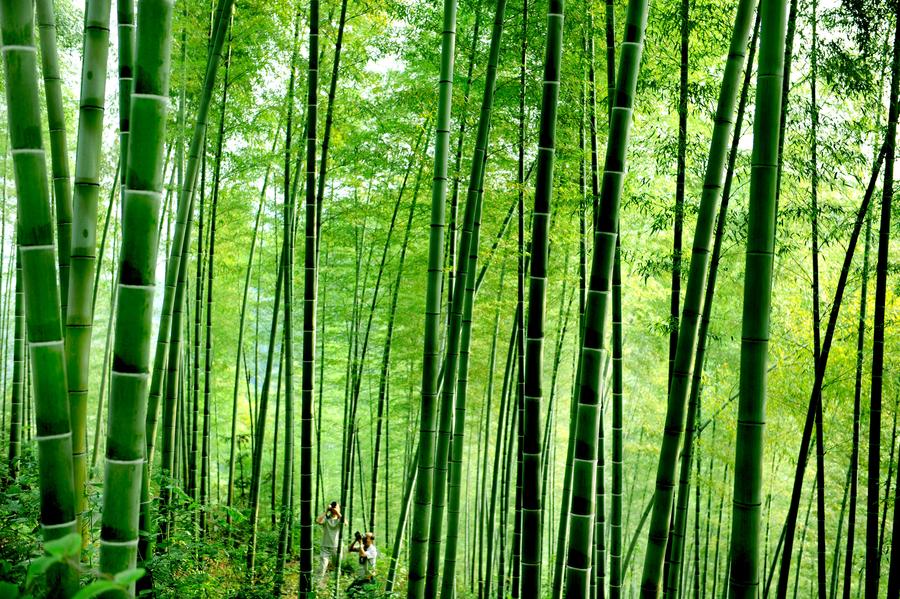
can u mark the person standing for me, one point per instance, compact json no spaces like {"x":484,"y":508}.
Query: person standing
{"x":330,"y":521}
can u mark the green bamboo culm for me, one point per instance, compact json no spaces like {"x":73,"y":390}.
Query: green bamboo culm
{"x":125,"y":24}
{"x":693,"y":305}
{"x":451,"y":363}
{"x":462,"y":303}
{"x":431,"y":342}
{"x":310,"y":291}
{"x":168,"y":335}
{"x":59,"y":147}
{"x":125,"y":441}
{"x":593,"y":343}
{"x":83,"y":250}
{"x":873,"y":550}
{"x":41,"y":292}
{"x":745,"y":562}
{"x":537,"y":290}
{"x":18,"y":377}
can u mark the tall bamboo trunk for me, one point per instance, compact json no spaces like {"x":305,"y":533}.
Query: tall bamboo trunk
{"x":684,"y":365}
{"x":593,"y":343}
{"x":873,"y":555}
{"x":130,"y":376}
{"x":760,"y":260}
{"x":83,"y":246}
{"x":468,"y":239}
{"x":41,"y":292}
{"x":431,"y":345}
{"x":169,"y":336}
{"x":284,"y":263}
{"x":532,"y":510}
{"x":59,"y":148}
{"x":17,"y":393}
{"x":310,"y":287}
{"x":451,"y":237}
{"x":857,"y":397}
{"x":208,"y":357}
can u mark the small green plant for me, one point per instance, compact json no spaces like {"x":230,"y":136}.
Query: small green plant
{"x":63,"y":555}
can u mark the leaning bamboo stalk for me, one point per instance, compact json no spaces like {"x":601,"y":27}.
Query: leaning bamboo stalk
{"x":175,"y":258}
{"x":684,"y":364}
{"x":455,"y":457}
{"x":232,"y":454}
{"x":461,"y":314}
{"x":593,"y":343}
{"x":803,"y":452}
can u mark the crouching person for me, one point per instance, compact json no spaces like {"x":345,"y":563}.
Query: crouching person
{"x":364,"y":547}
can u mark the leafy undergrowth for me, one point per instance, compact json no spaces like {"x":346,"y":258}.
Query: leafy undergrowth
{"x":184,"y":566}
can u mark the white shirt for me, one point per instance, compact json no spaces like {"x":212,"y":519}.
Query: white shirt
{"x":367,"y":565}
{"x":331,"y":526}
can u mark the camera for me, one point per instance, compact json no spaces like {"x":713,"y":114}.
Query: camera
{"x":357,"y":535}
{"x":333,"y":504}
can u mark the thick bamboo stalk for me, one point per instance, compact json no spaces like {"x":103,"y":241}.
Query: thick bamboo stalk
{"x":167,"y":332}
{"x":83,"y":246}
{"x":310,"y":289}
{"x":760,"y":259}
{"x":126,"y":442}
{"x":431,"y":345}
{"x":41,"y":292}
{"x":454,"y":329}
{"x":593,"y":346}
{"x":532,"y":510}
{"x":680,"y":387}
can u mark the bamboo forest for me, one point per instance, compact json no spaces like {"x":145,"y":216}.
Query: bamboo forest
{"x":469,"y":299}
